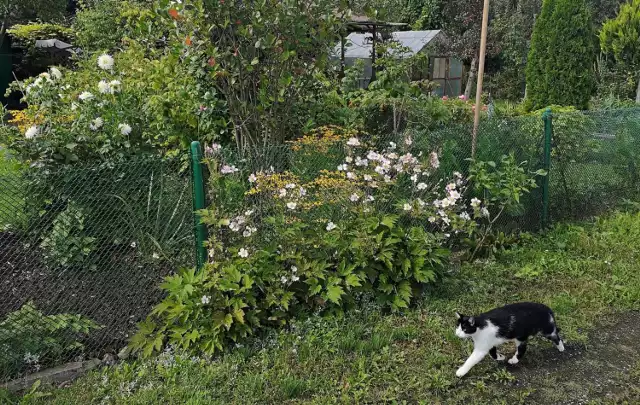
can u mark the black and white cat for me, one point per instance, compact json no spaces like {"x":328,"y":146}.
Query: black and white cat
{"x":514,"y":322}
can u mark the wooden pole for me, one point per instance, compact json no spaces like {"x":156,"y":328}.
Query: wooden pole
{"x":483,"y":49}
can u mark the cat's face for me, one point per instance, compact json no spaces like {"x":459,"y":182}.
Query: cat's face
{"x":466,"y":326}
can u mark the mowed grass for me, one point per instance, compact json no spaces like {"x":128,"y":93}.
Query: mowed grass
{"x":586,"y":273}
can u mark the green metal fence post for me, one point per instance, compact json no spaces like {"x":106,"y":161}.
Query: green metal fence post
{"x":198,"y":202}
{"x":548,"y":134}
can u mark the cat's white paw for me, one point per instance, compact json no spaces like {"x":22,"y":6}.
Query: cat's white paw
{"x":500,"y":357}
{"x":461,"y":372}
{"x":560,"y":346}
{"x":513,"y":360}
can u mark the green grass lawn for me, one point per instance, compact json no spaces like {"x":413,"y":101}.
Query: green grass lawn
{"x":587,"y":274}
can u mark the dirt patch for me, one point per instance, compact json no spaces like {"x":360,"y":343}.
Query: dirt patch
{"x":116,"y":292}
{"x":582,"y":374}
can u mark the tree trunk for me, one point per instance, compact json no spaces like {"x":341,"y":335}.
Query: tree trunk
{"x":638,"y":92}
{"x":471,"y":79}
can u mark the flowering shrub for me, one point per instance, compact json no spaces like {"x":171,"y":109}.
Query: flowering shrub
{"x":379,"y":223}
{"x":109,"y":110}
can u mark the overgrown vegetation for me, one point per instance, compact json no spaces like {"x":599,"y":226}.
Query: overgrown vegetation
{"x":585,"y":272}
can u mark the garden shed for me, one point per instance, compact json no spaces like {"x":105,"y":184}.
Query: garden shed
{"x":444,"y":69}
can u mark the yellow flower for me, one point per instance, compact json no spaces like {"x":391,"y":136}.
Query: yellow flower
{"x":322,"y":138}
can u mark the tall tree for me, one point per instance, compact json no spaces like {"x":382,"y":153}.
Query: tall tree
{"x":620,"y":37}
{"x":560,"y":64}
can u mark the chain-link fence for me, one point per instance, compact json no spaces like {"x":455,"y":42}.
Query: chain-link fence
{"x":82,"y":252}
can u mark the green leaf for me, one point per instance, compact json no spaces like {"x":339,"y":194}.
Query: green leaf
{"x":255,"y":61}
{"x":334,"y":293}
{"x":352,"y":280}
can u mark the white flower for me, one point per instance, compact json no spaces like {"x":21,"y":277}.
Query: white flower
{"x":302,"y":192}
{"x":294,"y":269}
{"x":246,"y":233}
{"x":104,"y":87}
{"x":348,"y":159}
{"x":252,"y":178}
{"x":134,"y":244}
{"x":292,"y":205}
{"x":155,"y":256}
{"x":283,"y":279}
{"x":433,"y":160}
{"x":205,"y":299}
{"x":445,"y":202}
{"x":387,"y":179}
{"x":454,"y":195}
{"x":465,"y":216}
{"x":115,"y":86}
{"x":85,"y":96}
{"x":361,"y":162}
{"x":31,"y":132}
{"x":379,"y":170}
{"x":226,"y":169}
{"x":282,"y":193}
{"x":392,"y":145}
{"x":407,"y":207}
{"x":485,"y":212}
{"x":373,"y":155}
{"x":248,"y":213}
{"x":290,"y":186}
{"x":56,"y":73}
{"x":353,"y":142}
{"x":331,"y":226}
{"x":367,"y":177}
{"x":354,"y":197}
{"x":295,"y":278}
{"x":408,"y":141}
{"x":342,"y":168}
{"x":422,"y":186}
{"x":105,"y":61}
{"x":432,"y":219}
{"x":475,"y":202}
{"x":125,"y":129}
{"x":234,"y":226}
{"x":46,"y":76}
{"x":96,"y":124}
{"x":243,"y":253}
{"x":370,"y":198}
{"x":351,"y":176}
{"x":414,"y":178}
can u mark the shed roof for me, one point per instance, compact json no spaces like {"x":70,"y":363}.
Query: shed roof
{"x":359,"y":45}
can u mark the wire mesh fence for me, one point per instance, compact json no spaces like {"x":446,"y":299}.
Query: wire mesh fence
{"x":82,"y":251}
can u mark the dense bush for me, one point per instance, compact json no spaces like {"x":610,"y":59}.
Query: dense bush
{"x":287,"y":243}
{"x":560,"y":64}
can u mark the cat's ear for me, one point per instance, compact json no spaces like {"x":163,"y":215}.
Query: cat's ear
{"x":458,"y":316}
{"x":472,"y":321}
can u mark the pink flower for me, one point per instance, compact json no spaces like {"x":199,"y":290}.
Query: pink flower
{"x":462,"y":97}
{"x":445,"y":98}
